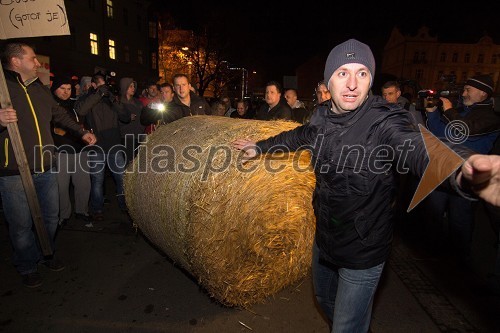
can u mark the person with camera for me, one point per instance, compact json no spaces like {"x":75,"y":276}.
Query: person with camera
{"x":474,"y":124}
{"x":103,"y":111}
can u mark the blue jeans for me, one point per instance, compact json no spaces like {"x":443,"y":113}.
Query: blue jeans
{"x":345,"y":295}
{"x":23,"y":238}
{"x":98,"y":161}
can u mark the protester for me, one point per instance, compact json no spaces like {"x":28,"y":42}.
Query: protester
{"x":352,"y":199}
{"x":33,"y":108}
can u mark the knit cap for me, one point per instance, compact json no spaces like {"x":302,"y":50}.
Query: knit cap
{"x":58,"y":81}
{"x":350,"y":51}
{"x":481,"y":82}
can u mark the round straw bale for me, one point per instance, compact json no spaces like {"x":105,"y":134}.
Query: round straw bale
{"x":243,"y":230}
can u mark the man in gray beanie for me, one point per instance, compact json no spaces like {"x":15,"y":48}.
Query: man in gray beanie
{"x":359,"y":143}
{"x":351,"y":51}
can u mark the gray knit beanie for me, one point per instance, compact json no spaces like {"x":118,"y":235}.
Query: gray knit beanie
{"x":351,"y":51}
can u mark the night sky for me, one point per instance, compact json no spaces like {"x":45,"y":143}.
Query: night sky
{"x":275,"y":38}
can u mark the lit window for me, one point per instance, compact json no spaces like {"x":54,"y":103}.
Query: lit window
{"x":112,"y":53}
{"x":109,"y":8}
{"x":94,"y":49}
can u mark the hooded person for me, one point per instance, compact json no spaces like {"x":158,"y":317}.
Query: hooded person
{"x":131,"y":132}
{"x":359,"y":144}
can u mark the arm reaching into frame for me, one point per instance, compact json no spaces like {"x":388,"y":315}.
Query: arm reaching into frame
{"x":481,"y":174}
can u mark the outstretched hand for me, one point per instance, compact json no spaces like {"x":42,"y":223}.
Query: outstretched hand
{"x":247,"y":146}
{"x":482,"y":173}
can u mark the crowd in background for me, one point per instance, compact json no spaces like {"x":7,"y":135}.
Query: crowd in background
{"x":122,"y":114}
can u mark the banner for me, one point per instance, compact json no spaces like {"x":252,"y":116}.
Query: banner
{"x":32,"y":18}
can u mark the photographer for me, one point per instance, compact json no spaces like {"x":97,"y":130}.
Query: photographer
{"x":103,"y":111}
{"x":476,"y":126}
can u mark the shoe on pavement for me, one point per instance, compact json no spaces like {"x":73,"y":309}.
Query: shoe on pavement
{"x":89,"y":225}
{"x":32,"y":280}
{"x":54,"y":265}
{"x":98,"y":216}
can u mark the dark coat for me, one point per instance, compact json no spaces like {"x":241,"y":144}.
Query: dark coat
{"x":175,"y":110}
{"x":103,"y":113}
{"x":280,"y":111}
{"x":36,"y":108}
{"x":354,"y":186}
{"x":483,"y":124}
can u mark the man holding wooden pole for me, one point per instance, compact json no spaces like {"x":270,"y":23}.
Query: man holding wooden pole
{"x":33,"y":108}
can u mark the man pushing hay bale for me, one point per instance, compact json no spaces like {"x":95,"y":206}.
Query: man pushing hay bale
{"x":245,"y":231}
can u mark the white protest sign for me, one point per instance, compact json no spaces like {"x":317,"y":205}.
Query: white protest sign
{"x":32,"y":18}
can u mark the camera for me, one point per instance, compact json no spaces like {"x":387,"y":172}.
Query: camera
{"x":109,"y":78}
{"x":428,"y":98}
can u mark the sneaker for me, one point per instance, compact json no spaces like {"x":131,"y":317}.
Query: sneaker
{"x":89,"y":225}
{"x":54,"y":265}
{"x":32,"y":280}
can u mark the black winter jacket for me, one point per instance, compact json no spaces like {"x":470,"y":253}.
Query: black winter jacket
{"x":355,"y":156}
{"x":102,"y":114}
{"x":36,"y":108}
{"x":175,"y":110}
{"x":281,"y":111}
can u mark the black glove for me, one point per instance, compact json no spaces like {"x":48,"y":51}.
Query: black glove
{"x":104,"y":90}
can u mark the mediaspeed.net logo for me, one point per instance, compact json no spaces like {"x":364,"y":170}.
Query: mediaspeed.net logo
{"x":436,"y":173}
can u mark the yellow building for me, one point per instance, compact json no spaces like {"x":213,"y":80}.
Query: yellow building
{"x":427,"y":61}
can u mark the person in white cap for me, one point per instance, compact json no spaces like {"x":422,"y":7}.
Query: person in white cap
{"x":358,"y":142}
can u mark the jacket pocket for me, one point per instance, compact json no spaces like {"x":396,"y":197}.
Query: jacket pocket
{"x":366,"y":230}
{"x":348,"y":180}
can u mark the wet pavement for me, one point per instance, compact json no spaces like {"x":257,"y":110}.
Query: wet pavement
{"x":117,"y":281}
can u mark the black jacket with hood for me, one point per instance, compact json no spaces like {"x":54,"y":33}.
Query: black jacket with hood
{"x":355,"y":156}
{"x":103,"y":112}
{"x":36,"y":108}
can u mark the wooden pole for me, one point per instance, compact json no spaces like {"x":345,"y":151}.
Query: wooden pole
{"x":24,"y":171}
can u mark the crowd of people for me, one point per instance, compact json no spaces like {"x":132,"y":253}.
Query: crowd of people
{"x":89,"y":121}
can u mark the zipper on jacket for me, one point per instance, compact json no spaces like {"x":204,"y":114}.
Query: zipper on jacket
{"x":6,"y":149}
{"x":36,"y":124}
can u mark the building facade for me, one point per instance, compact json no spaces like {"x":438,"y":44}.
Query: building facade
{"x":106,"y":35}
{"x":432,"y":64}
